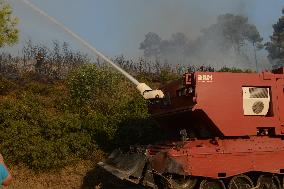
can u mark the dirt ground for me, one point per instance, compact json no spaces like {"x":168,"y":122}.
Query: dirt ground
{"x":85,"y":175}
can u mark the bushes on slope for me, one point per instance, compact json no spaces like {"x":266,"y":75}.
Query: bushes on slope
{"x":47,"y":125}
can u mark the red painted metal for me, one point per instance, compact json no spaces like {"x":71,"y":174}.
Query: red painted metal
{"x":222,"y":141}
{"x":222,"y":157}
{"x":219,"y":97}
{"x":235,"y":146}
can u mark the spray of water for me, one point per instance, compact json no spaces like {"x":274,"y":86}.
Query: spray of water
{"x":82,"y":41}
{"x":144,"y":89}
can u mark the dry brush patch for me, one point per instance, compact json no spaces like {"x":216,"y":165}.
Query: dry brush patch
{"x":70,"y":177}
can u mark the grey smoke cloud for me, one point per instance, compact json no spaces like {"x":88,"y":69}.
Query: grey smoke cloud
{"x":117,"y":27}
{"x":191,"y":17}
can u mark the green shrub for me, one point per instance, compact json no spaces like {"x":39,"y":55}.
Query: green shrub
{"x":167,"y":75}
{"x":28,"y":135}
{"x":47,"y":125}
{"x":6,"y":85}
{"x":36,"y":87}
{"x":108,"y":104}
{"x":89,"y":82}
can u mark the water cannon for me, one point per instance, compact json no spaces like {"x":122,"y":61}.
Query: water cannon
{"x":149,"y":93}
{"x":144,"y":89}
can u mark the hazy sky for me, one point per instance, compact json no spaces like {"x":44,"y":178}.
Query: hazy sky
{"x":118,"y":26}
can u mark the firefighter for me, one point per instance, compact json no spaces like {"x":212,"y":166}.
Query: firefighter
{"x":39,"y":63}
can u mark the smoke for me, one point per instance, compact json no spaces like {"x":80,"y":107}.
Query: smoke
{"x":224,"y":43}
{"x":201,"y":48}
{"x":117,"y":27}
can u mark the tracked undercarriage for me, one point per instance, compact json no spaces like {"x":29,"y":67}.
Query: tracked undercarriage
{"x":204,"y":164}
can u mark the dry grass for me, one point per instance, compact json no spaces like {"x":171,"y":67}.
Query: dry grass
{"x":85,"y":175}
{"x":70,"y":177}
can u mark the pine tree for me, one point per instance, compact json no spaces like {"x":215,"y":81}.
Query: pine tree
{"x":8,"y":31}
{"x":275,"y":47}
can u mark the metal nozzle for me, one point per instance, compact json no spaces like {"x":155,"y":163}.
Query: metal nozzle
{"x":149,"y":93}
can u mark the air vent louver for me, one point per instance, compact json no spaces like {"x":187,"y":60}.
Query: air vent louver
{"x":256,"y":100}
{"x":258,"y":107}
{"x":258,"y":92}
